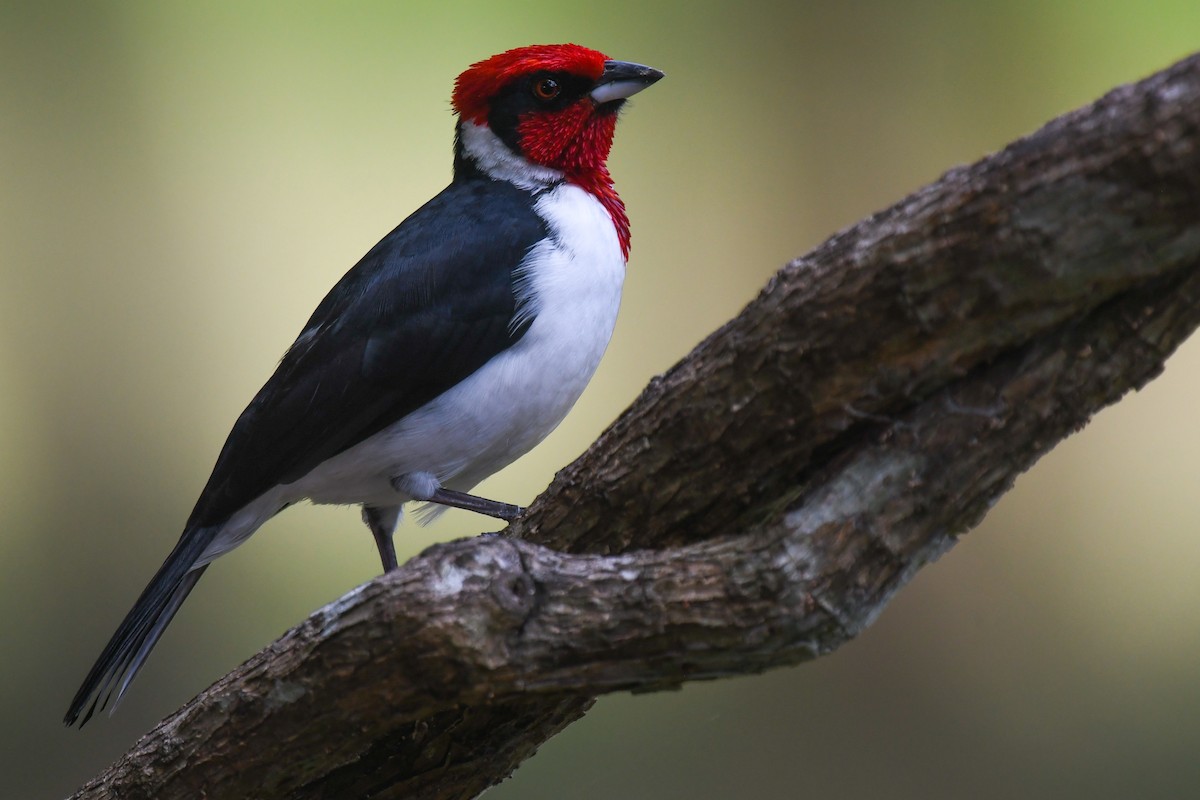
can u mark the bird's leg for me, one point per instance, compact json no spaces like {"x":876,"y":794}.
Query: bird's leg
{"x":382,"y":522}
{"x":480,"y":505}
{"x":426,"y":488}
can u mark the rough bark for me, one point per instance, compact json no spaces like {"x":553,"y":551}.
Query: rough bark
{"x":760,"y":503}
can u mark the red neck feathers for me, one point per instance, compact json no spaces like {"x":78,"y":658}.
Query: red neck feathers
{"x":576,"y":141}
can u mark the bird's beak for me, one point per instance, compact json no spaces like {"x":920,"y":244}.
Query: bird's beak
{"x":622,"y":79}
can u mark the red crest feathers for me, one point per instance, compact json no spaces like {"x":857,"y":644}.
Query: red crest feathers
{"x":475,"y":87}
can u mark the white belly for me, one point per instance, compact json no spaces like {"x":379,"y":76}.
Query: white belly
{"x":571,"y":285}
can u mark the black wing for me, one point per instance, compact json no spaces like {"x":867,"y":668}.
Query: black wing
{"x":425,"y":308}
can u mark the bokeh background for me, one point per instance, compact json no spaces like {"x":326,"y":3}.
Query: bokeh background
{"x":180,"y":183}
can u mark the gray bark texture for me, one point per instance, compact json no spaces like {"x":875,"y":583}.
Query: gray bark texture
{"x":760,"y":503}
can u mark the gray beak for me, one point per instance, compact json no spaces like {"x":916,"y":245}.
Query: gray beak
{"x":622,"y":79}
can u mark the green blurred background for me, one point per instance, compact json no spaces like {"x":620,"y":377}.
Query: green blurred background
{"x":181,"y":183}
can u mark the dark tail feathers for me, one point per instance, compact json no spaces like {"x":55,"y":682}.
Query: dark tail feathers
{"x":126,"y":651}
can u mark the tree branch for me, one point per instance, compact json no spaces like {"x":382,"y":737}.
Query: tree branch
{"x":760,"y":503}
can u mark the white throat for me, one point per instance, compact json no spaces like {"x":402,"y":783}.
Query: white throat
{"x":498,"y":162}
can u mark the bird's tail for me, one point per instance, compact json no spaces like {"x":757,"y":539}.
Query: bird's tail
{"x":126,"y":651}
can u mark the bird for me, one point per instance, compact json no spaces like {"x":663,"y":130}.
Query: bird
{"x":453,"y":347}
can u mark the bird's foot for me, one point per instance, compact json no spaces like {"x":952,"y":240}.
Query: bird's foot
{"x":480,"y":505}
{"x":424,"y":487}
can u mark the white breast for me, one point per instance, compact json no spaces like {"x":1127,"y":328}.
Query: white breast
{"x":570,"y":284}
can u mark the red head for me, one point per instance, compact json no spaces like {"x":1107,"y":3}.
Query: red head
{"x":555,"y":106}
{"x":484,"y":80}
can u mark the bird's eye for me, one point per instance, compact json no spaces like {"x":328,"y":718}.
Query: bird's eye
{"x":546,"y":89}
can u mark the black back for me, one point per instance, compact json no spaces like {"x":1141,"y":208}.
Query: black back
{"x":427,"y":306}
